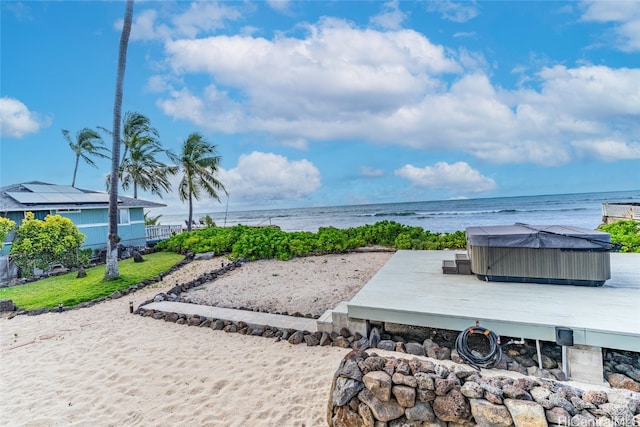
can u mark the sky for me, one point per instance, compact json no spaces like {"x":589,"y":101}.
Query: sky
{"x":324,"y":103}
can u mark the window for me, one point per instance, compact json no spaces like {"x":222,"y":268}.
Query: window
{"x":123,"y":216}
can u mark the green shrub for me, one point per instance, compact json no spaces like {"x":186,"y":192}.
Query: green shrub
{"x":625,"y":233}
{"x":6,"y":225}
{"x":38,"y":244}
{"x":254,"y":243}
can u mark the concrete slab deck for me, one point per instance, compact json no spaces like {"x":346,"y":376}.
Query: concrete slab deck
{"x":251,"y":318}
{"x":411,"y":289}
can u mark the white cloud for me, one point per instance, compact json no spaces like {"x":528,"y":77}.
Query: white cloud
{"x":279,"y":5}
{"x":267,"y":176}
{"x":625,"y":16}
{"x":458,"y":177}
{"x":371,"y":172}
{"x":609,"y":150}
{"x":340,"y":82}
{"x":329,"y":84}
{"x":391,"y":18}
{"x":16,"y":120}
{"x":454,"y":11}
{"x":199,"y":18}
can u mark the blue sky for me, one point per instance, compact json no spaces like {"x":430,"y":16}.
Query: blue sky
{"x":337,"y":102}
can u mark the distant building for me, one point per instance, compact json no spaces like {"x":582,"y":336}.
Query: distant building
{"x":88,"y":210}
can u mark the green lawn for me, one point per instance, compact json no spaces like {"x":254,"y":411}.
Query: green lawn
{"x":70,"y":291}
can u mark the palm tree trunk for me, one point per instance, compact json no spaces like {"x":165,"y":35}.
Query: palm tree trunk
{"x":111,"y":270}
{"x":135,"y":189}
{"x":190,"y":211}
{"x":75,"y":170}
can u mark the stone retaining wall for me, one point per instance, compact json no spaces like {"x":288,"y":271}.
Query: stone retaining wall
{"x":374,"y":391}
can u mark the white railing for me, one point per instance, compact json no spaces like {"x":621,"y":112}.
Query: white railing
{"x":161,"y":232}
{"x":616,"y":211}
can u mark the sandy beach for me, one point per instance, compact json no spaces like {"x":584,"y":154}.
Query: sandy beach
{"x":103,"y":366}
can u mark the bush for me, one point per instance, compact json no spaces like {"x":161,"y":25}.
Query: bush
{"x":6,"y":225}
{"x":269,"y":242}
{"x":39,"y":244}
{"x":625,"y":233}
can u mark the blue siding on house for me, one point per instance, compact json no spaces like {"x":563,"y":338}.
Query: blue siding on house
{"x":94,"y":224}
{"x":136,"y":214}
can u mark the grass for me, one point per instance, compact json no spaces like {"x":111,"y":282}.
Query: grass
{"x":71,"y":291}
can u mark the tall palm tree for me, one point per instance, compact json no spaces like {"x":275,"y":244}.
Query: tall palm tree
{"x":198,"y":164}
{"x":88,"y":144}
{"x":139,"y":166}
{"x":135,"y":126}
{"x":142,"y":170}
{"x":111,"y":270}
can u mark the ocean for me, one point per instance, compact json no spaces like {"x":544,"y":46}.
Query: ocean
{"x":582,"y":210}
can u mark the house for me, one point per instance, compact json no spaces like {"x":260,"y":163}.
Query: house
{"x":88,"y":210}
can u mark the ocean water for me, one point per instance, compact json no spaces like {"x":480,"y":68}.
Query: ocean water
{"x":582,"y":210}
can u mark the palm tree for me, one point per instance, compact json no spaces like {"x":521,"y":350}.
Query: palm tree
{"x":135,"y":126}
{"x":142,"y":170}
{"x":88,"y":144}
{"x":139,"y":166}
{"x":198,"y":163}
{"x":111,"y":270}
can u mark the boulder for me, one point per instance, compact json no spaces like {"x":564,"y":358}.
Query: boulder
{"x":345,"y":390}
{"x":414,"y":348}
{"x":382,"y":411}
{"x":7,"y":305}
{"x":137,"y":257}
{"x":401,"y":379}
{"x":373,"y":363}
{"x":558,"y":415}
{"x":487,"y":414}
{"x":387,"y":345}
{"x":620,"y":414}
{"x":374,"y":337}
{"x":406,"y":396}
{"x":624,"y":382}
{"x":345,"y":417}
{"x":379,"y":384}
{"x":424,"y":381}
{"x":444,"y":385}
{"x":595,"y":397}
{"x":453,"y":407}
{"x":526,"y":413}
{"x":542,"y":393}
{"x":296,"y":338}
{"x":472,"y":390}
{"x":204,"y":256}
{"x":349,"y":369}
{"x":421,"y":411}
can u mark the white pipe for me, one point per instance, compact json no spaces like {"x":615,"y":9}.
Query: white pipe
{"x":539,"y":354}
{"x":565,"y":368}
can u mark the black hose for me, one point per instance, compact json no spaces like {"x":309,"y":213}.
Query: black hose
{"x":491,"y":359}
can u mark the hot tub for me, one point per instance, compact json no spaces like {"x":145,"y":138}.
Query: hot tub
{"x":552,"y":254}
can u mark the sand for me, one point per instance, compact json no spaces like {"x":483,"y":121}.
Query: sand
{"x":103,"y":366}
{"x":308,"y":285}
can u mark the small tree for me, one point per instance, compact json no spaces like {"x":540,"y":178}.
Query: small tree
{"x":6,"y":225}
{"x":38,"y":243}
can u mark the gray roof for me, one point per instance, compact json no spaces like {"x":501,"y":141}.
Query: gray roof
{"x":36,"y":195}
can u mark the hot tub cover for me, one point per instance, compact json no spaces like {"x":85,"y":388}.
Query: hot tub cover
{"x":538,"y":236}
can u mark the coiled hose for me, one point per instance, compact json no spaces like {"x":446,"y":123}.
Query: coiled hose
{"x":491,"y":359}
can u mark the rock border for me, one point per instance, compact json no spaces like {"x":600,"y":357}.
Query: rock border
{"x":370,"y":390}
